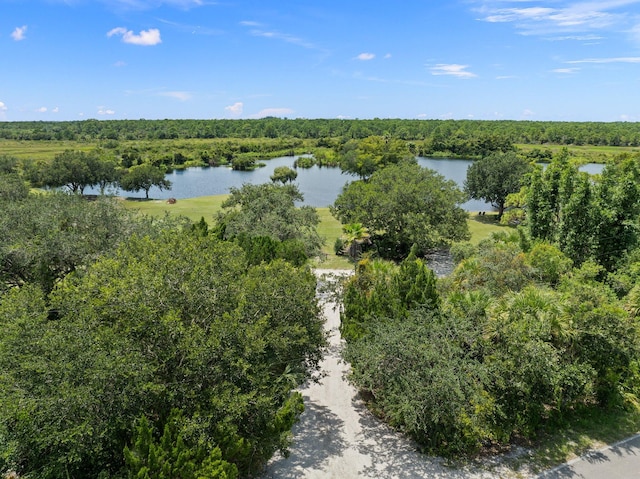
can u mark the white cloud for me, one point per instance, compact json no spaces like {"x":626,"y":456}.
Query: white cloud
{"x":366,"y":56}
{"x":273,"y":112}
{"x":528,"y":113}
{"x":178,"y":95}
{"x":235,"y":109}
{"x":422,"y":116}
{"x":452,"y":69}
{"x":19,"y":33}
{"x":105,"y":111}
{"x":145,"y":37}
{"x":3,"y":107}
{"x":607,"y":60}
{"x":42,"y":109}
{"x":387,"y":56}
{"x":55,"y":110}
{"x":563,"y":17}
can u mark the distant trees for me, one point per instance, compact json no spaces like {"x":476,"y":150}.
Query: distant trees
{"x":494,"y":177}
{"x":284,"y":174}
{"x":402,"y":205}
{"x":364,"y":157}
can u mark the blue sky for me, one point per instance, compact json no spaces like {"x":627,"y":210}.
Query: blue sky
{"x":461,"y":59}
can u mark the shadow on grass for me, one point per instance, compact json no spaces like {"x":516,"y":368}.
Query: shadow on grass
{"x":487,"y":219}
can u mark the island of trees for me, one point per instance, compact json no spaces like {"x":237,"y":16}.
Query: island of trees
{"x":159,"y":347}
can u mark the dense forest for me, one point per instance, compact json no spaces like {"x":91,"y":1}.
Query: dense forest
{"x":433,"y":131}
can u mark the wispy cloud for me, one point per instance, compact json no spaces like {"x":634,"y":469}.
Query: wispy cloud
{"x":145,"y":37}
{"x":3,"y":107}
{"x":562,"y":16}
{"x":42,"y":109}
{"x":19,"y":33}
{"x":193,"y":29}
{"x":259,"y":30}
{"x":366,"y":56}
{"x":607,"y":60}
{"x":565,"y":71}
{"x":452,"y":69}
{"x":178,"y":95}
{"x":235,"y":109}
{"x":105,"y":111}
{"x":273,"y":112}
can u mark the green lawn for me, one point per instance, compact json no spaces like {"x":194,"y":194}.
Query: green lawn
{"x":329,"y":228}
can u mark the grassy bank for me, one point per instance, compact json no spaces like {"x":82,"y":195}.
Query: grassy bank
{"x":329,"y":228}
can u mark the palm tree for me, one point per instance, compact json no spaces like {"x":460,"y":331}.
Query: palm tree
{"x":354,"y":235}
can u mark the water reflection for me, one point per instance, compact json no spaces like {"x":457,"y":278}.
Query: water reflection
{"x":320,"y":186}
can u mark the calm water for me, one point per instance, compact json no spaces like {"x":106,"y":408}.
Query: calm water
{"x":320,"y":186}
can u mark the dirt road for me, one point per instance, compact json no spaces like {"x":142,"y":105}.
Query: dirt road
{"x":337,"y":437}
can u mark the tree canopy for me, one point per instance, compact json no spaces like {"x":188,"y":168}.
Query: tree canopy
{"x":173,"y":322}
{"x":402,"y":205}
{"x":494,"y":177}
{"x":144,"y":177}
{"x":270,"y":210}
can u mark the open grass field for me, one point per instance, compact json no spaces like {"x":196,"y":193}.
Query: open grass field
{"x":585,"y":154}
{"x":329,"y":228}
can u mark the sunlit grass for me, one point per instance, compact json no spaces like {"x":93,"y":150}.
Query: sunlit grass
{"x":481,"y":227}
{"x":193,"y":208}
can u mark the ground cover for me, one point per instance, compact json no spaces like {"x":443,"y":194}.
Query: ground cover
{"x":585,"y":153}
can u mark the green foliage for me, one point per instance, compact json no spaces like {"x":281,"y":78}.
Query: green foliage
{"x":171,"y":457}
{"x":513,"y":343}
{"x":12,"y":187}
{"x":404,"y":204}
{"x":258,"y":249}
{"x":73,"y":169}
{"x":269,"y":210}
{"x":353,"y":236}
{"x":176,"y":321}
{"x":380,"y":289}
{"x":420,"y":374}
{"x":143,"y":177}
{"x":587,"y":218}
{"x":494,"y":177}
{"x":284,"y":175}
{"x":364,"y":157}
{"x":45,"y":237}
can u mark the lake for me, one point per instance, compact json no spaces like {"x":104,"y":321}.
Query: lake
{"x":320,"y":186}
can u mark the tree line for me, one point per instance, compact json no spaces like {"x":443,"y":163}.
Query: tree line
{"x":455,"y":136}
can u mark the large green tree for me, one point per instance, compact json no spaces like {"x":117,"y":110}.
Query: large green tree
{"x":173,"y":322}
{"x":402,"y":205}
{"x":144,"y":177}
{"x":45,"y":237}
{"x":72,"y":169}
{"x":496,"y":176}
{"x":270,"y":210}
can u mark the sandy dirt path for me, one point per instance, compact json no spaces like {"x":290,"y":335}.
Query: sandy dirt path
{"x":337,"y":437}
